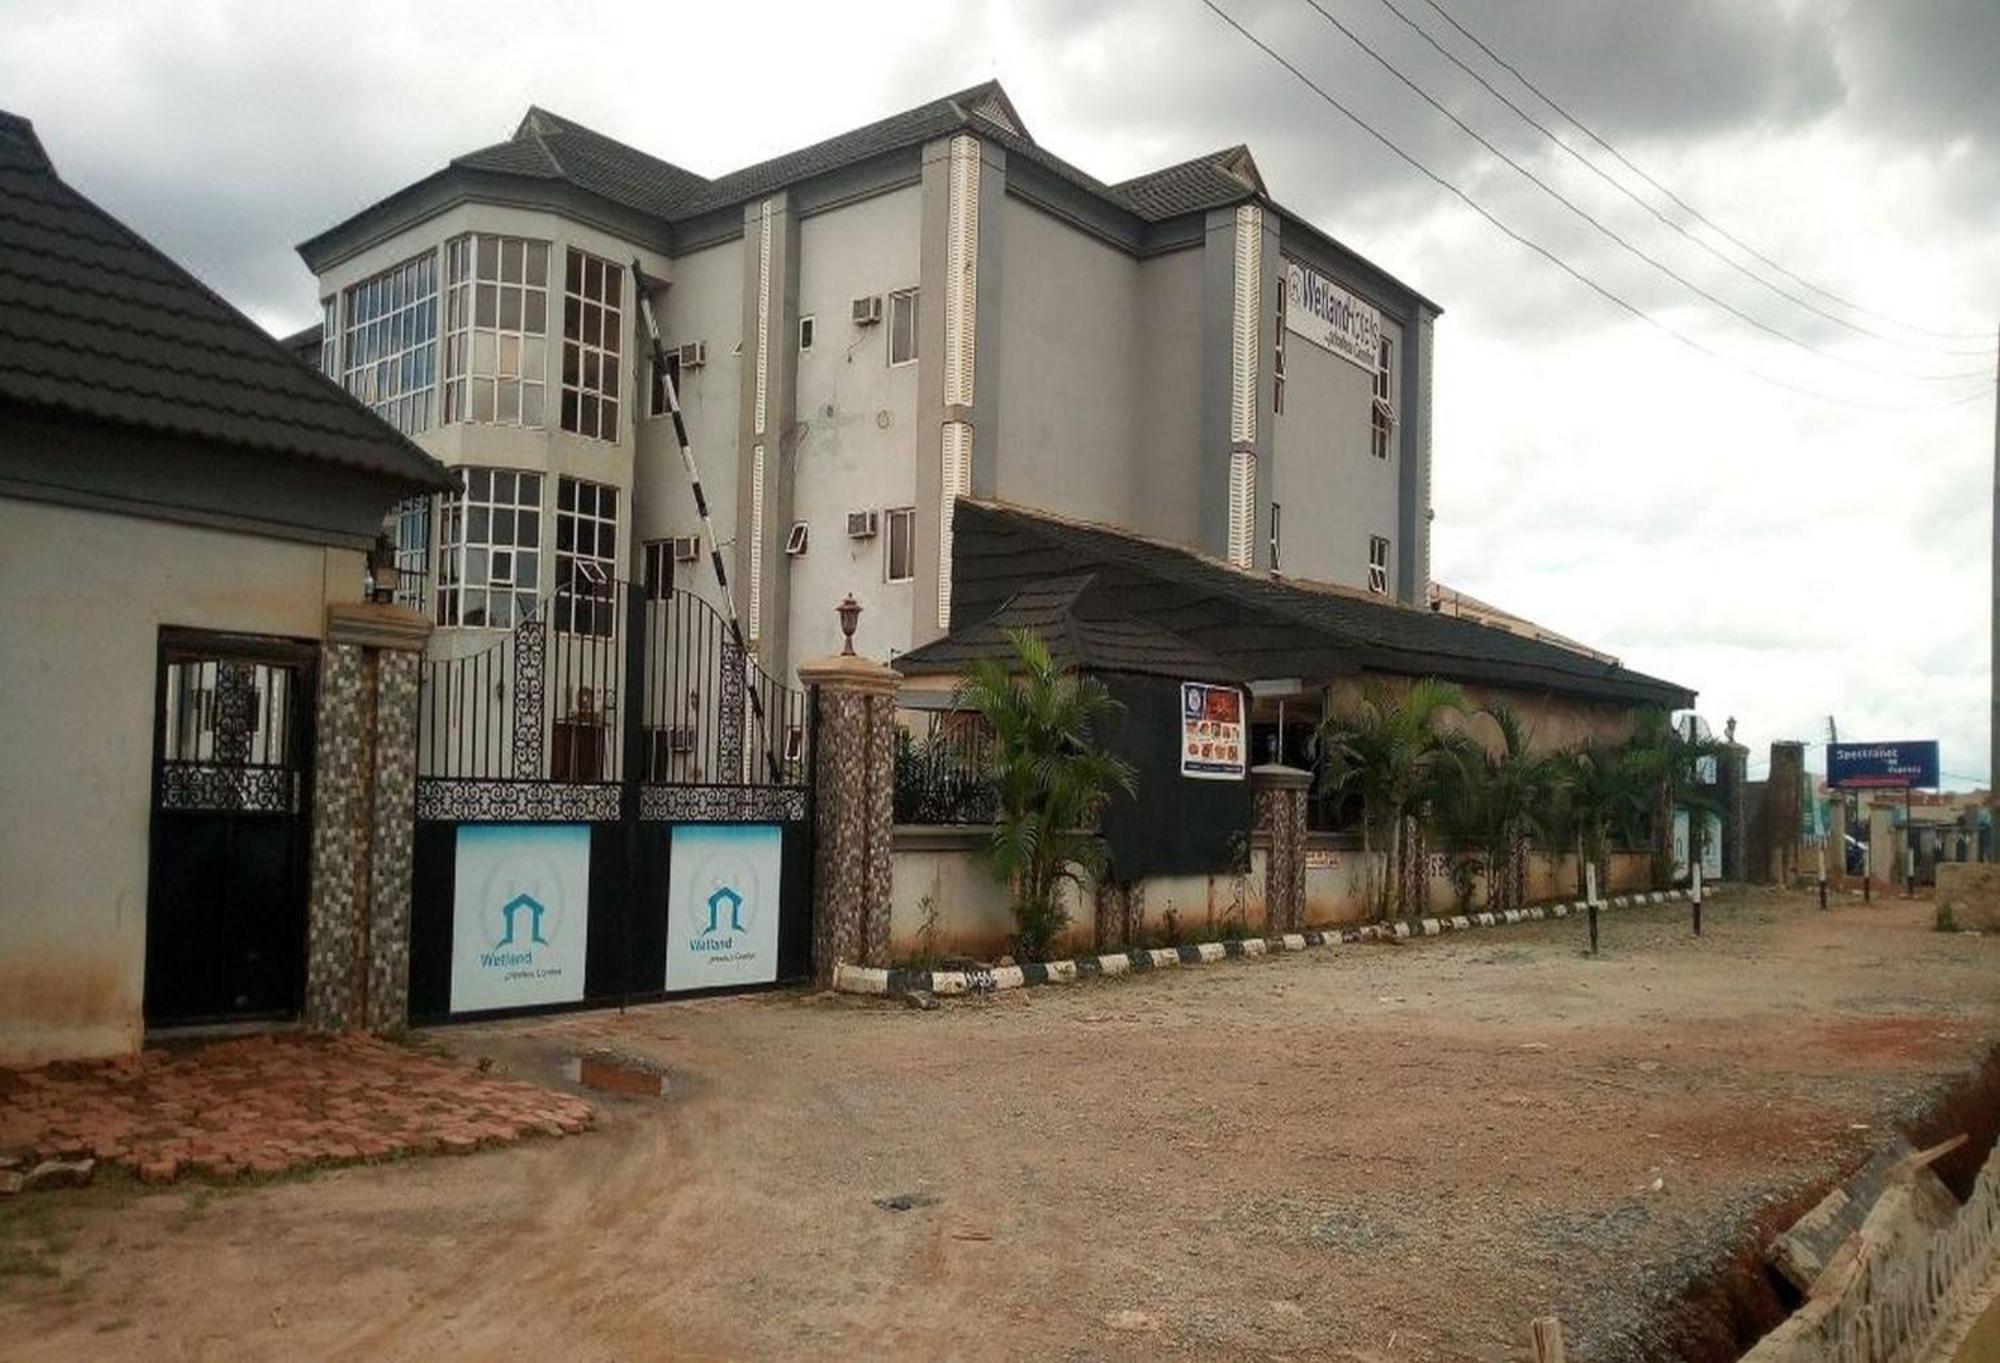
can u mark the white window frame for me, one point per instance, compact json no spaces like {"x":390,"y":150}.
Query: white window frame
{"x":408,"y":527}
{"x":808,"y":332}
{"x":389,"y":342}
{"x":907,"y":516}
{"x":586,"y":557}
{"x":1381,"y":405}
{"x":1378,"y":564}
{"x":656,"y":559}
{"x":901,"y":298}
{"x":496,"y":330}
{"x":1276,"y":524}
{"x":798,"y":539}
{"x":329,"y":337}
{"x":468,"y":543}
{"x":656,"y":392}
{"x":596,"y":300}
{"x":1278,"y":352}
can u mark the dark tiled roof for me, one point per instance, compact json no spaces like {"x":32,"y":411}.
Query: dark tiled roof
{"x":1221,"y":177}
{"x":1262,"y":627}
{"x":304,"y":343}
{"x":96,"y":322}
{"x":1082,"y":626}
{"x":548,"y":146}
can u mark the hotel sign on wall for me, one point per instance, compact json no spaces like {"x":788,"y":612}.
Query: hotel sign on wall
{"x":1330,"y":317}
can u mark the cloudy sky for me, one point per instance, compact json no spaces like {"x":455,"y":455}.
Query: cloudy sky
{"x":1788,"y":554}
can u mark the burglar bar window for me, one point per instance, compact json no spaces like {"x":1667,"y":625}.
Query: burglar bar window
{"x":489,"y":539}
{"x":1278,"y":357}
{"x":593,"y":323}
{"x":496,"y":329}
{"x":1382,"y":411}
{"x":659,"y":568}
{"x":659,"y":386}
{"x":329,"y":338}
{"x":1378,"y":565}
{"x":899,"y":544}
{"x":390,"y":343}
{"x":586,"y":557}
{"x":903,"y":327}
{"x":409,"y":530}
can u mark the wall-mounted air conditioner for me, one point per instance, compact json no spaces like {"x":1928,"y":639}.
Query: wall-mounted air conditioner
{"x":687,"y":548}
{"x":863,"y":525}
{"x":693,"y":354}
{"x":868,"y":311}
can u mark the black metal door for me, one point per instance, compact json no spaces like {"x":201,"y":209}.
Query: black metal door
{"x":231,"y":828}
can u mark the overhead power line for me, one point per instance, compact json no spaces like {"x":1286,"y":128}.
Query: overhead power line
{"x":1612,"y":234}
{"x":1858,"y":328}
{"x":1601,"y":290}
{"x":1696,"y":213}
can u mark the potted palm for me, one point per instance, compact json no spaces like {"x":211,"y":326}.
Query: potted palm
{"x":1051,"y":780}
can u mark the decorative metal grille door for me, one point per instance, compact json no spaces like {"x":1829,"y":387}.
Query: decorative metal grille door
{"x":231,"y":828}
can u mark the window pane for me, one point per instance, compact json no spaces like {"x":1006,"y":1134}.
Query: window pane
{"x":510,"y":309}
{"x":534,"y":314}
{"x":511,"y":253}
{"x":487,"y":310}
{"x":538,"y":262}
{"x":489,"y":257}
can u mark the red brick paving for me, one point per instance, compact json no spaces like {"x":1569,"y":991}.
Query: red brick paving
{"x":270,"y":1103}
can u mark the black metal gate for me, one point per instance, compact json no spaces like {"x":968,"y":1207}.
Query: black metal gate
{"x":613,"y":804}
{"x":231,"y":828}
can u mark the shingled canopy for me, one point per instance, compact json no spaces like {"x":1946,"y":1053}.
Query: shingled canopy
{"x":124,"y":380}
{"x":1009,"y":563}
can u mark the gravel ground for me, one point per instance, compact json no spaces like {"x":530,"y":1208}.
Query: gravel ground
{"x":1380,"y":1153}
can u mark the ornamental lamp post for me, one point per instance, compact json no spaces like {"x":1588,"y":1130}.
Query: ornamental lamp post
{"x":849,"y":611}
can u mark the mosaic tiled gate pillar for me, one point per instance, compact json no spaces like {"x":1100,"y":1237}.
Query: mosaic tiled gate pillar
{"x":854,"y":781}
{"x":364,"y":794}
{"x":1278,"y":796}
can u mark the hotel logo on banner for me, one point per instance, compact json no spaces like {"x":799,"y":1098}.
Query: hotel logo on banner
{"x":520,"y":915}
{"x":1331,"y":317}
{"x":722,"y":905}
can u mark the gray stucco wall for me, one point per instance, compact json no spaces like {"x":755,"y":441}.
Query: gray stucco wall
{"x":1070,"y":387}
{"x":704,"y":303}
{"x":1168,"y":498}
{"x":856,"y":424}
{"x":1333,"y":493}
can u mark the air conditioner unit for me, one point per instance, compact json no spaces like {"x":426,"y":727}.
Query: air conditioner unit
{"x":693,"y":354}
{"x":863,"y":525}
{"x":868,"y":311}
{"x":687,"y":548}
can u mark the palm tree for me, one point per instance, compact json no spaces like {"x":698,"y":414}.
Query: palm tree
{"x":1498,"y":800}
{"x":1050,"y":778}
{"x":1599,"y":793}
{"x":1664,"y":760}
{"x":1384,"y":750}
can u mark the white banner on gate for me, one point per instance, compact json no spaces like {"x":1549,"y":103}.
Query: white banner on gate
{"x":520,"y":915}
{"x":722,"y":905}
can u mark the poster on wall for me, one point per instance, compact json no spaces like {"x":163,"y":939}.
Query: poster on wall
{"x":520,"y":915}
{"x":1214,"y":746}
{"x":1322,"y":312}
{"x":1711,"y":845}
{"x":722,"y":905}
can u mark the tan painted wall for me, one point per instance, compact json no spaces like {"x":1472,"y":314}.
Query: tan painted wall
{"x":82,"y":597}
{"x":1552,"y":721}
{"x":950,"y":876}
{"x":1342,"y":885}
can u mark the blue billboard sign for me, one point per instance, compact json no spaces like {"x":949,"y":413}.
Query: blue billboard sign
{"x":1912,"y":764}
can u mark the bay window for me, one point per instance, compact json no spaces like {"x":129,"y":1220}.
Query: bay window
{"x":389,"y":343}
{"x":496,"y":324}
{"x":489,"y":541}
{"x":593,"y":327}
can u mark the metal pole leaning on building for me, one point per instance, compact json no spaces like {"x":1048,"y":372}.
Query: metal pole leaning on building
{"x":657,"y":351}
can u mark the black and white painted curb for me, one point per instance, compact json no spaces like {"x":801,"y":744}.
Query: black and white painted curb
{"x":855,"y":979}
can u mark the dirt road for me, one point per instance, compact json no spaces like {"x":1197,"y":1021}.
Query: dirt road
{"x":1383,"y":1153}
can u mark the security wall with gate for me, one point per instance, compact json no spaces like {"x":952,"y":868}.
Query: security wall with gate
{"x":613,"y":804}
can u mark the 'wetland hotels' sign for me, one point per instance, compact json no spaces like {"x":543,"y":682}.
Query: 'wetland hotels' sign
{"x":1330,"y":317}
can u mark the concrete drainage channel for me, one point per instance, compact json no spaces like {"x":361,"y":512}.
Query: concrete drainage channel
{"x":853,"y":979}
{"x":1885,"y":1266}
